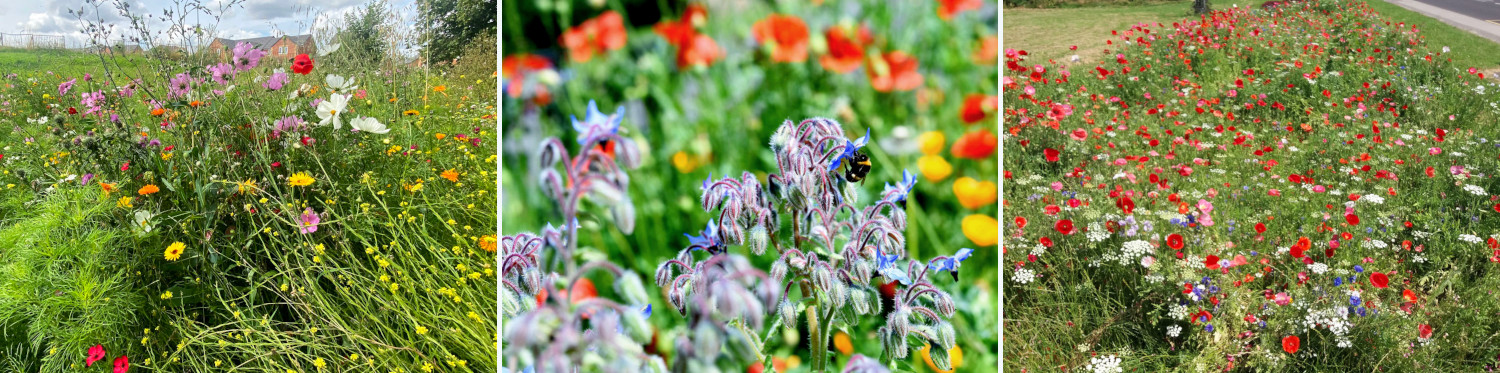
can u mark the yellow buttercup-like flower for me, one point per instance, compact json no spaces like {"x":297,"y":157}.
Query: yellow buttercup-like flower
{"x":931,"y":142}
{"x":934,"y":167}
{"x":300,"y":179}
{"x":982,"y":229}
{"x":974,"y":194}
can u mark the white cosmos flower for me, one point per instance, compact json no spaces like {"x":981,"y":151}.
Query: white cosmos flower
{"x":330,"y":109}
{"x":339,"y":83}
{"x":368,"y":124}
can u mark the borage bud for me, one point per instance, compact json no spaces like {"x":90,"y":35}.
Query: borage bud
{"x":788,"y":313}
{"x":946,"y":337}
{"x":898,"y":219}
{"x":758,"y":240}
{"x":706,"y":341}
{"x":629,"y":287}
{"x":778,"y":270}
{"x":940,"y":358}
{"x":851,"y":193}
{"x":860,"y":300}
{"x":637,"y":327}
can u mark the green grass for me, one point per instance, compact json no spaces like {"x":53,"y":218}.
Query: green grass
{"x":1469,"y":50}
{"x":15,"y":60}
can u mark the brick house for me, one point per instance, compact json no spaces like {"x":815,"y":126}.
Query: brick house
{"x":276,"y":47}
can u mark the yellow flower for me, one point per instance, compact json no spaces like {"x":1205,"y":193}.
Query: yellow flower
{"x":319,"y":363}
{"x":685,"y":163}
{"x":300,"y":179}
{"x":451,"y":175}
{"x":934,"y":167}
{"x":174,"y":251}
{"x":166,"y":295}
{"x":931,"y":142}
{"x":974,"y":194}
{"x":982,"y":229}
{"x":411,"y":112}
{"x":247,"y":186}
{"x":125,"y":202}
{"x":487,"y":243}
{"x":421,"y":329}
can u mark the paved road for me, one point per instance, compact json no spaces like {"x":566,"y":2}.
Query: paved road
{"x":1481,"y":17}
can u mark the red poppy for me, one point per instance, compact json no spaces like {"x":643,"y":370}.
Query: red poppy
{"x":894,"y":71}
{"x":1045,"y":241}
{"x":1352,"y":219}
{"x":600,"y":34}
{"x":947,"y":8}
{"x":302,"y":64}
{"x":976,"y":145}
{"x":1064,"y":226}
{"x":1380,"y":280}
{"x":1126,"y":205}
{"x":1291,"y":344}
{"x":701,"y":50}
{"x":96,"y":353}
{"x":977,"y":107}
{"x":122,"y":364}
{"x":1424,"y":331}
{"x":676,"y":33}
{"x":845,"y":52}
{"x":1409,"y":295}
{"x":1020,"y":222}
{"x":516,"y":68}
{"x":1174,"y":241}
{"x":1298,"y":251}
{"x":1051,"y":154}
{"x":1260,"y":228}
{"x":786,"y":34}
{"x":1212,"y":262}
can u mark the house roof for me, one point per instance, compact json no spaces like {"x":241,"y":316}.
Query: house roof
{"x":265,"y":42}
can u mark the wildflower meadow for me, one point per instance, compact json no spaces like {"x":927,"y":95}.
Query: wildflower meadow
{"x":1302,"y":186}
{"x":226,"y":210}
{"x":749,"y":186}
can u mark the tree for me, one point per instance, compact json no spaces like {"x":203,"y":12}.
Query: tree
{"x":364,"y":30}
{"x":448,"y":25}
{"x":1201,"y":7}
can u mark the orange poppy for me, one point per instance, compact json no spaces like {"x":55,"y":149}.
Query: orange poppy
{"x":989,"y":50}
{"x":700,"y":50}
{"x":977,"y":107}
{"x":600,"y":34}
{"x":947,"y":8}
{"x":845,"y":52}
{"x":680,"y":32}
{"x":894,"y":71}
{"x":786,"y":34}
{"x":516,"y":67}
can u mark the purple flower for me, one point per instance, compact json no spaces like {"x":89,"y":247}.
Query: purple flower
{"x":180,"y":85}
{"x":222,"y":72}
{"x":62,"y":89}
{"x":85,"y":179}
{"x":88,"y":77}
{"x":287,"y":124}
{"x":94,"y":101}
{"x":246,"y":57}
{"x":309,"y":221}
{"x":276,"y":81}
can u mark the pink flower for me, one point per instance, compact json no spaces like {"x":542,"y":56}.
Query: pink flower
{"x":1282,"y":299}
{"x":1057,"y":186}
{"x":1319,"y":189}
{"x":1434,"y":150}
{"x":309,"y":222}
{"x":1274,"y":193}
{"x":122,"y":364}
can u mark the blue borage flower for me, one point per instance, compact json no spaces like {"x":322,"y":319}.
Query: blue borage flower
{"x":849,"y":148}
{"x":950,"y":263}
{"x":595,"y":124}
{"x":898,"y":192}
{"x":889,"y":267}
{"x":708,"y":241}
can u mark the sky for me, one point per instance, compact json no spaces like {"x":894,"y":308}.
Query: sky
{"x":241,"y":18}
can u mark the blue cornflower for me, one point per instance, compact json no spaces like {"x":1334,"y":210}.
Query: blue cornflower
{"x":1361,"y":312}
{"x":595,"y":123}
{"x":709,"y":239}
{"x":647,"y":310}
{"x":898,"y":192}
{"x":1354,"y":300}
{"x":950,"y":264}
{"x":889,"y":268}
{"x":1359,"y":269}
{"x":1338,"y":281}
{"x":849,"y":148}
{"x":1208,"y":327}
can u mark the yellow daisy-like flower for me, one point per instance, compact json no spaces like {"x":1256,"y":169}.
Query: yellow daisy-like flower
{"x":174,"y":251}
{"x":247,"y":186}
{"x":125,"y":202}
{"x":300,"y":179}
{"x":411,"y":112}
{"x":451,"y":175}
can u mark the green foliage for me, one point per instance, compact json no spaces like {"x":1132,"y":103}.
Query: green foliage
{"x":449,"y":25}
{"x":363,"y":32}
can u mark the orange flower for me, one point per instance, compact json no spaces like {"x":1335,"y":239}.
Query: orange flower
{"x":158,"y":112}
{"x":989,"y":50}
{"x":787,"y":36}
{"x":596,"y":35}
{"x":451,"y":175}
{"x":107,"y":187}
{"x":973,"y":194}
{"x":976,"y":145}
{"x":844,"y":53}
{"x":894,"y":71}
{"x":947,"y":8}
{"x":148,"y":189}
{"x":977,"y":107}
{"x":701,"y":50}
{"x":680,"y":32}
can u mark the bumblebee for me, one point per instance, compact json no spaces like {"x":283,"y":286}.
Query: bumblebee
{"x":857,"y":167}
